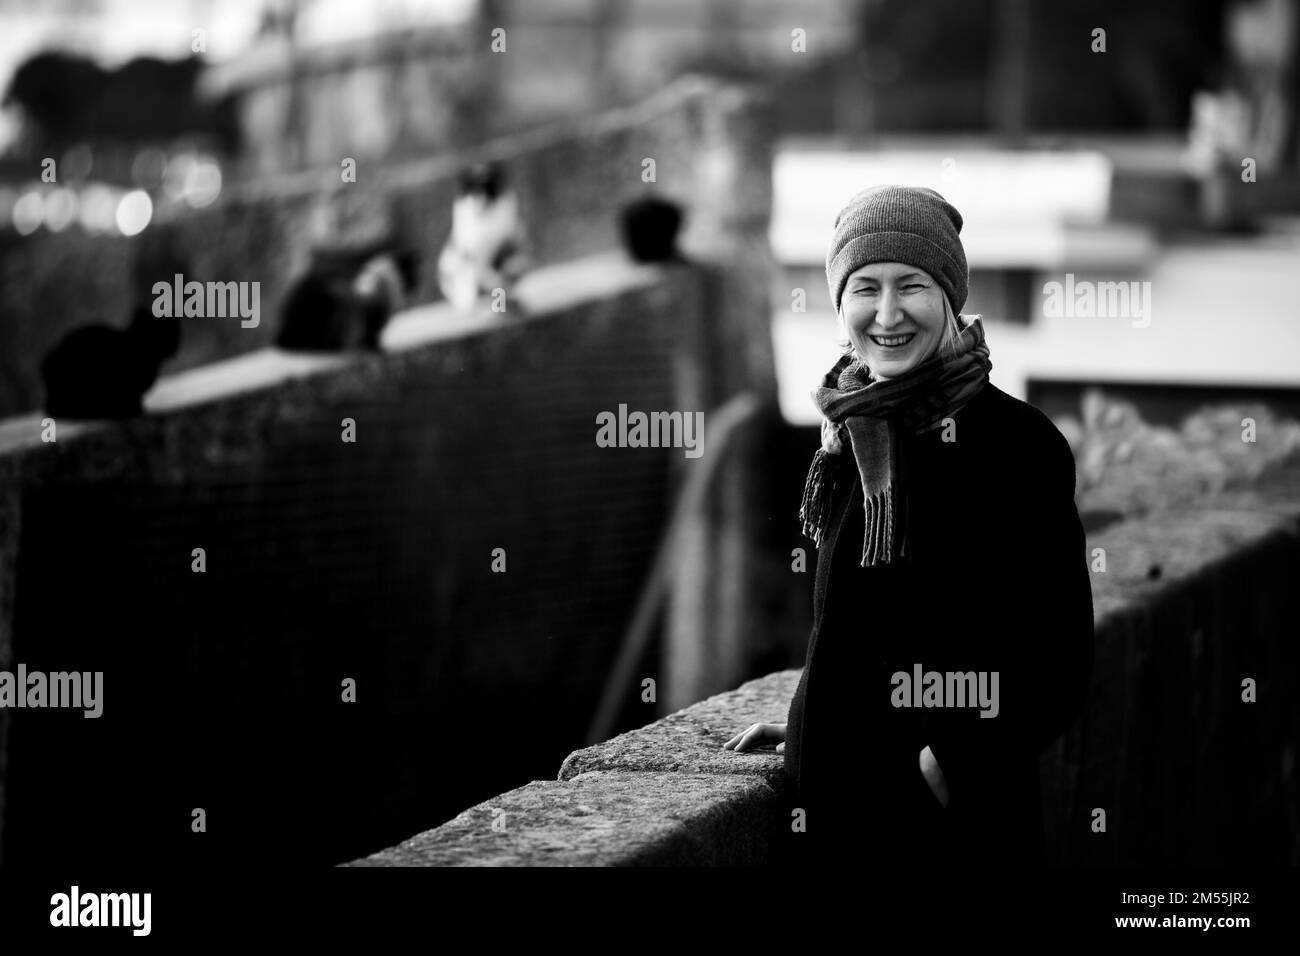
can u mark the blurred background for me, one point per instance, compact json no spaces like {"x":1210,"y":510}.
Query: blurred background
{"x":1087,"y":144}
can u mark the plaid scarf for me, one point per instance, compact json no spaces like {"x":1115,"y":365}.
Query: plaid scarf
{"x":869,"y":413}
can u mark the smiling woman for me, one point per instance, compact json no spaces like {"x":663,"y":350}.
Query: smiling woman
{"x":947,"y":534}
{"x":896,"y":316}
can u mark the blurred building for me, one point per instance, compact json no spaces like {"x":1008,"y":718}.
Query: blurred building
{"x":396,"y":87}
{"x":405,"y":85}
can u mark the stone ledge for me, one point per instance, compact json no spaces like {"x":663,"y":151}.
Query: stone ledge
{"x":1187,"y":545}
{"x":690,"y":741}
{"x":606,"y":819}
{"x":666,"y":794}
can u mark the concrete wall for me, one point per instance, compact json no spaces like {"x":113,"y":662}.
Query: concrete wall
{"x":329,"y":560}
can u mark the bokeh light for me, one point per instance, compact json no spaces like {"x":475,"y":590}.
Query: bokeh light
{"x":76,"y":164}
{"x":60,"y":209}
{"x":134,"y":212}
{"x":203,"y":184}
{"x":98,"y":208}
{"x":176,"y":178}
{"x":149,"y":168}
{"x":29,"y":211}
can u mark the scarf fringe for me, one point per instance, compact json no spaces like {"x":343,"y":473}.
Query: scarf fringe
{"x":886,"y":539}
{"x":818,"y":490}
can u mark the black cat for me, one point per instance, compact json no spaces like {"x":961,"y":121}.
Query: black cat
{"x":98,"y":371}
{"x":345,"y":299}
{"x":101,"y":372}
{"x":649,"y":228}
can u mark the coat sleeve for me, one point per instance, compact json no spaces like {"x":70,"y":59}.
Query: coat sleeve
{"x":1036,"y":630}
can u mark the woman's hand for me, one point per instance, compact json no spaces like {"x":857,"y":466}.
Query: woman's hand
{"x":757,"y":734}
{"x":934,"y":776}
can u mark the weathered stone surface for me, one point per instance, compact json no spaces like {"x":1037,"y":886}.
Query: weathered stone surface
{"x":1178,"y":547}
{"x":666,"y":794}
{"x":690,"y":741}
{"x":605,"y":819}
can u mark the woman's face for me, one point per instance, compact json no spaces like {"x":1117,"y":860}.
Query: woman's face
{"x":894,"y":316}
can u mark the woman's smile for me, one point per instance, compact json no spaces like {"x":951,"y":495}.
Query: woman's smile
{"x":893,"y":341}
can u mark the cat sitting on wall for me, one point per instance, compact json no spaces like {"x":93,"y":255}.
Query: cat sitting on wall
{"x":649,"y":228}
{"x":486,"y":250}
{"x":345,"y":298}
{"x":98,"y":371}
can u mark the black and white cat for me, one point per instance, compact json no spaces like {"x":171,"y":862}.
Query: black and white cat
{"x":487,"y":246}
{"x":345,"y":299}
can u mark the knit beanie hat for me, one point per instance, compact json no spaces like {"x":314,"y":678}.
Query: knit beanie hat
{"x":907,"y":224}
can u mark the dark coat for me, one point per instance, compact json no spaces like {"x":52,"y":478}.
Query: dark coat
{"x":999,"y":582}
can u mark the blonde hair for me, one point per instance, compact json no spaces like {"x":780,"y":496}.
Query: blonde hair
{"x":953,"y":326}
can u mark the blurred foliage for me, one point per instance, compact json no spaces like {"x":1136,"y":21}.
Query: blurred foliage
{"x":1126,"y":465}
{"x":65,"y":98}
